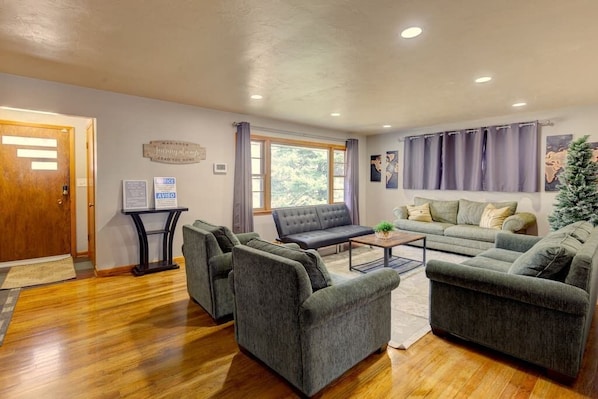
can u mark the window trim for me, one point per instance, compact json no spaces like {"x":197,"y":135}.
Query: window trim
{"x":269,"y":140}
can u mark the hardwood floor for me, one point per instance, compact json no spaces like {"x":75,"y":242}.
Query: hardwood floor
{"x":141,"y":337}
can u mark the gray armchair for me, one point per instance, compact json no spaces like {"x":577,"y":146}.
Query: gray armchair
{"x":207,"y":251}
{"x":309,"y":338}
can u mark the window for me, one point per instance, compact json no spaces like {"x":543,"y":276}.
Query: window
{"x":293,"y":173}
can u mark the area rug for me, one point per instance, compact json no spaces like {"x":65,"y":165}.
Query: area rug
{"x":410,"y":302}
{"x":8,"y":300}
{"x":37,"y":273}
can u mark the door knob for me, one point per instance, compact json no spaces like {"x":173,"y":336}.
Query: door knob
{"x":59,"y":202}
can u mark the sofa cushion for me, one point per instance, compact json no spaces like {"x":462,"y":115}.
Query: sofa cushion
{"x":441,"y":211}
{"x":435,"y":228}
{"x":504,"y":255}
{"x":470,"y":212}
{"x":296,"y":219}
{"x":470,"y":232}
{"x":333,"y":215}
{"x":488,"y":264}
{"x":580,"y":230}
{"x":420,"y":213}
{"x":493,"y":217}
{"x":549,"y":258}
{"x":315,"y":268}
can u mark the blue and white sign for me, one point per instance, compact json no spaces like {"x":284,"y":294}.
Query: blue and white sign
{"x":165,"y":192}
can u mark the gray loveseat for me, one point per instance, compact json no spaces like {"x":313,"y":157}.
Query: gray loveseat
{"x":455,"y":225}
{"x":529,"y":297}
{"x":316,"y":226}
{"x":304,"y":323}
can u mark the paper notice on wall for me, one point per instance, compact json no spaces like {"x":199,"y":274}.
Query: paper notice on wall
{"x":165,"y":192}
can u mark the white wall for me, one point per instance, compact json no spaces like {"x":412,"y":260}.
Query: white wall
{"x":578,"y":121}
{"x":124,"y":124}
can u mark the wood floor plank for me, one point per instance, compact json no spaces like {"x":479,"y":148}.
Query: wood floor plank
{"x":142,"y":337}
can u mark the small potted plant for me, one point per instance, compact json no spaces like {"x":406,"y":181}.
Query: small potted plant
{"x":383,"y":229}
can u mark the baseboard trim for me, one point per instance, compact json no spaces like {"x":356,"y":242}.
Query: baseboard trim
{"x":119,"y":271}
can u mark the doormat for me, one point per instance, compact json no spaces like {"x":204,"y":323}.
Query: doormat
{"x":37,"y":273}
{"x":8,"y":300}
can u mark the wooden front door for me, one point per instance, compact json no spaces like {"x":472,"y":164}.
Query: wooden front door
{"x":35,"y":191}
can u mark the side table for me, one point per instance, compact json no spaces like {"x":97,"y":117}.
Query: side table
{"x":144,"y":266}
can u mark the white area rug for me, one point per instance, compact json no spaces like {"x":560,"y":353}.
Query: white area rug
{"x":410,"y":302}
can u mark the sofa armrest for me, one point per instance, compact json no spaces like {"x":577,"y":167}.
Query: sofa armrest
{"x":220,"y":265}
{"x":246,"y":237}
{"x":515,"y":242}
{"x":531,"y":290}
{"x":328,"y":302}
{"x":519,"y":222}
{"x":400,"y":212}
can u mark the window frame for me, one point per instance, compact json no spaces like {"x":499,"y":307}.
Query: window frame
{"x":267,"y":141}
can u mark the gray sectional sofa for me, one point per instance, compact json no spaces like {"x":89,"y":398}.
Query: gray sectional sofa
{"x":316,"y":226}
{"x":529,"y":297}
{"x":455,"y":225}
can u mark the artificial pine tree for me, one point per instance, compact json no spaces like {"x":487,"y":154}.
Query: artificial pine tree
{"x":578,"y":190}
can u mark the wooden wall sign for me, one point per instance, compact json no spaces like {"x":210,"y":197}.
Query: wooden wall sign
{"x":172,"y":151}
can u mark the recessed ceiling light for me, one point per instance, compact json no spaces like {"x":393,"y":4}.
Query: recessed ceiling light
{"x":483,"y":79}
{"x":411,"y":32}
{"x":256,"y":97}
{"x":519,"y":104}
{"x":386,"y":126}
{"x":335,"y":114}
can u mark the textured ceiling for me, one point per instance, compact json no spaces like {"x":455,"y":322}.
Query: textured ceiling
{"x":310,"y":58}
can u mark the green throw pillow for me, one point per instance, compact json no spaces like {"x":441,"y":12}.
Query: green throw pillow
{"x":549,"y":258}
{"x":470,"y":212}
{"x":441,"y":211}
{"x":311,"y":261}
{"x":225,"y":238}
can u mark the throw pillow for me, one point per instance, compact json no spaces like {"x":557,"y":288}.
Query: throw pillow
{"x":420,"y":213}
{"x":549,"y":258}
{"x":318,"y":274}
{"x":470,"y":212}
{"x":441,"y":210}
{"x":493,"y":218}
{"x":226,"y":239}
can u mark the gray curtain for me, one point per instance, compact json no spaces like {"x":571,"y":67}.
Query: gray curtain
{"x":242,"y":195}
{"x":511,"y":161}
{"x":422,"y":165}
{"x":462,"y":155}
{"x":352,"y":179}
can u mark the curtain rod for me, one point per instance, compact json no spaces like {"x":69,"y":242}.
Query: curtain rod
{"x":452,"y":132}
{"x":292,"y":133}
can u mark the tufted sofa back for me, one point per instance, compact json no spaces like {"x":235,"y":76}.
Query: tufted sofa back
{"x":296,"y":219}
{"x":301,"y":219}
{"x":333,"y":215}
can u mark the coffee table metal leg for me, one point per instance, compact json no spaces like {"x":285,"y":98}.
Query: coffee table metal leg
{"x":387,"y":254}
{"x":350,"y":265}
{"x":424,"y":257}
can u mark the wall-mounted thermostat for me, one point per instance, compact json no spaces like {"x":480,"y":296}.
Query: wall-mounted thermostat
{"x":220,"y":168}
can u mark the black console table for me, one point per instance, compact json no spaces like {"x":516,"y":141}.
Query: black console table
{"x":144,"y":266}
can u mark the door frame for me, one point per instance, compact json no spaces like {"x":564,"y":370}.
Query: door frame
{"x":90,"y":140}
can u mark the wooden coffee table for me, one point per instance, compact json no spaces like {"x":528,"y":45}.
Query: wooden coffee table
{"x":395,"y":262}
